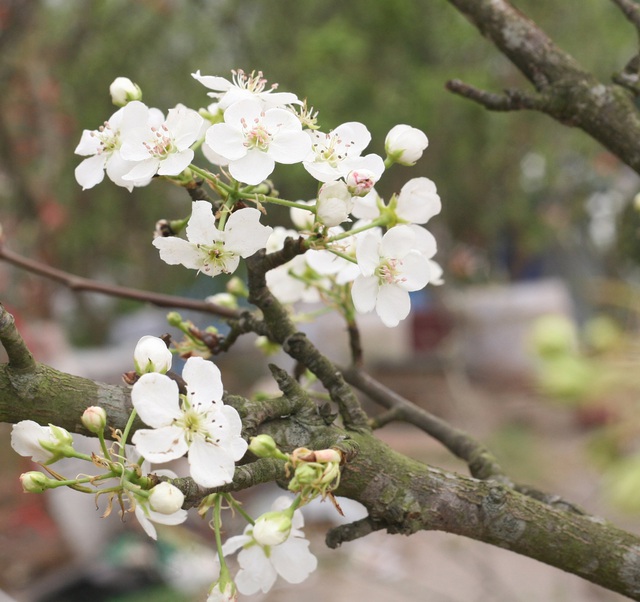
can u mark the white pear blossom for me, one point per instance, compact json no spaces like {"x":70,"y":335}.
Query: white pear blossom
{"x":152,"y":355}
{"x":44,"y":444}
{"x":334,"y":203}
{"x":94,"y":418}
{"x":390,"y":267}
{"x":245,"y":86}
{"x":260,"y":564}
{"x":405,"y":144}
{"x":214,"y":251}
{"x":165,"y":498}
{"x":163,"y":149}
{"x":368,"y":206}
{"x":418,"y":201}
{"x":326,"y":263}
{"x":197,"y":424}
{"x":102,"y":147}
{"x":123,"y":90}
{"x":253,"y":140}
{"x":337,"y":153}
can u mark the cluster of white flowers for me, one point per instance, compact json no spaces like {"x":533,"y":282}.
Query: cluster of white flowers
{"x":197,"y":423}
{"x":246,"y":132}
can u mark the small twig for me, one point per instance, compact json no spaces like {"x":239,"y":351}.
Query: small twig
{"x":77,"y":283}
{"x":20,"y":357}
{"x":511,"y":100}
{"x":352,"y":531}
{"x":355,"y":344}
{"x":482,"y":463}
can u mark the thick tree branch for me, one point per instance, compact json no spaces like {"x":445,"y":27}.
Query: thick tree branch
{"x":401,"y":495}
{"x":566,"y":91}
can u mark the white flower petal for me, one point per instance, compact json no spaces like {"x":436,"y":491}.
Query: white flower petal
{"x":160,"y":445}
{"x":204,"y":383}
{"x":90,"y":171}
{"x":367,"y":252}
{"x":255,"y":167}
{"x":293,"y":560}
{"x":397,"y":242}
{"x":175,"y":163}
{"x":25,"y":438}
{"x":244,"y":234}
{"x":201,"y":228}
{"x":415,"y":271}
{"x":210,"y":465}
{"x":155,"y":398}
{"x":257,"y":573}
{"x":364,"y":292}
{"x":393,"y":304}
{"x":176,"y":251}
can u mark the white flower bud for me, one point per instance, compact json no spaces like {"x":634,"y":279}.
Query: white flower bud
{"x":405,"y":144}
{"x":272,"y":528}
{"x":301,"y":218}
{"x":224,"y":300}
{"x":166,"y":498}
{"x":94,"y":419}
{"x":123,"y":90}
{"x":360,"y":182}
{"x":334,"y":204}
{"x":223,"y":593}
{"x":34,"y":482}
{"x":151,"y":355}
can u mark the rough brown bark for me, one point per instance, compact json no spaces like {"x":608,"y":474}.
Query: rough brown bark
{"x":564,"y":90}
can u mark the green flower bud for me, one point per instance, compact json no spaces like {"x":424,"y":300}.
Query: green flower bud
{"x":34,"y":482}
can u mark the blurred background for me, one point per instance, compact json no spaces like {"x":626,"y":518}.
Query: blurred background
{"x":537,"y":219}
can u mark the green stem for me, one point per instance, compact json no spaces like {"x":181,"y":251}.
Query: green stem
{"x":103,"y":446}
{"x":127,"y":430}
{"x":236,"y":506}
{"x":383,"y":220}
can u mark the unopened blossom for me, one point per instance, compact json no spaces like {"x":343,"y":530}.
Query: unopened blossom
{"x":303,"y":219}
{"x":163,"y":149}
{"x":165,"y":498}
{"x":405,"y":144}
{"x":253,"y":140}
{"x":45,"y":444}
{"x":360,"y":182}
{"x":94,"y":418}
{"x":337,"y":153}
{"x":214,"y":251}
{"x":260,"y":564}
{"x":245,"y":86}
{"x":418,"y":201}
{"x":198,"y":424}
{"x":390,"y":268}
{"x":223,"y":592}
{"x":123,"y":91}
{"x":35,"y":482}
{"x":102,"y":147}
{"x":272,"y":528}
{"x":147,"y":516}
{"x":152,"y":355}
{"x":334,"y":203}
